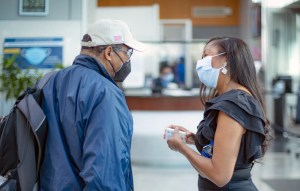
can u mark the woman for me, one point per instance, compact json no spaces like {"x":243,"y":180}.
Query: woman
{"x":234,"y":131}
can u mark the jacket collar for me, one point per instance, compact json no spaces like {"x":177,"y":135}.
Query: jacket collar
{"x":93,"y":64}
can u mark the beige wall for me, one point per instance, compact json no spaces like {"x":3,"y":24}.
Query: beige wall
{"x":182,"y":9}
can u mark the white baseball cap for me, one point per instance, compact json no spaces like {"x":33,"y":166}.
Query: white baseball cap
{"x":109,"y":32}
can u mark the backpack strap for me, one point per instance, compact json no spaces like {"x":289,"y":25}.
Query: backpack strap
{"x":39,"y":117}
{"x":35,"y":120}
{"x":42,"y":82}
{"x":32,"y":115}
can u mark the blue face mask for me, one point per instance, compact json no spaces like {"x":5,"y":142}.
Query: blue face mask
{"x":167,"y":78}
{"x":207,"y":74}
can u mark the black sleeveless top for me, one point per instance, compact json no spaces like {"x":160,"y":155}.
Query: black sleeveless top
{"x":246,"y":110}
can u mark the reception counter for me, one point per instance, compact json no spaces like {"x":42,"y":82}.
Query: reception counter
{"x":171,"y":100}
{"x":164,"y":103}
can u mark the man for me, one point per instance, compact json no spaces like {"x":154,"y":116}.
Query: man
{"x":90,"y":126}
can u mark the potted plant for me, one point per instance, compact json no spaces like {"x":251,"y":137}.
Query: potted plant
{"x":15,"y":80}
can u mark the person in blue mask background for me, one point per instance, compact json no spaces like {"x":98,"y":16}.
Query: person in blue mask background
{"x":90,"y":126}
{"x":235,"y":131}
{"x":165,"y":79}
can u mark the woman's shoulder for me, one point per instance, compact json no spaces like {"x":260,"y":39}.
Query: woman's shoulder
{"x":235,"y":94}
{"x":240,"y":106}
{"x":238,"y":99}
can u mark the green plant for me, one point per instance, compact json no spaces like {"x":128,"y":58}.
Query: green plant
{"x":15,"y":80}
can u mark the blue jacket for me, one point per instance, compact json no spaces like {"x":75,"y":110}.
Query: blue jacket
{"x":90,"y":130}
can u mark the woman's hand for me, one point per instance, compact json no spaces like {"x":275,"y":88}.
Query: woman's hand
{"x":190,"y":137}
{"x":175,"y":143}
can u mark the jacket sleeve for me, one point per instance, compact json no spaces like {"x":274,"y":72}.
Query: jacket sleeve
{"x":103,"y":152}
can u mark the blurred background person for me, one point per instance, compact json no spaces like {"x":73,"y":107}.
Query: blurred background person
{"x":165,"y":79}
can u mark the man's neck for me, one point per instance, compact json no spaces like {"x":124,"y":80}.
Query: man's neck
{"x":91,"y":54}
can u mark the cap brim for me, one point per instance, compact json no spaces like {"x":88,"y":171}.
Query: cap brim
{"x":136,"y":45}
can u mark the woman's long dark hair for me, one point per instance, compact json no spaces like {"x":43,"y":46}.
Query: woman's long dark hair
{"x":240,"y":65}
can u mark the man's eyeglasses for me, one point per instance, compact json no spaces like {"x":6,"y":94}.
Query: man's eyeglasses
{"x":128,"y":52}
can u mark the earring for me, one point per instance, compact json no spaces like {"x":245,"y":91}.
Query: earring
{"x":224,"y":71}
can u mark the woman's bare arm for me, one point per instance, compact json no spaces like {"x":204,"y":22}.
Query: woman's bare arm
{"x":227,"y":140}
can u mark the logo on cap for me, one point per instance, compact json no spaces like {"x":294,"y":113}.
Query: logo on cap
{"x":118,"y":38}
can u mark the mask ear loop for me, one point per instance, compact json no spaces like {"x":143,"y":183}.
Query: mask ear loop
{"x":120,"y":59}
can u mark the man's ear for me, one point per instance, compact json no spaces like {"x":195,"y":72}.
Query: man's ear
{"x":107,"y":52}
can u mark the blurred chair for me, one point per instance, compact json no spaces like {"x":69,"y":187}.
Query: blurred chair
{"x":292,"y":131}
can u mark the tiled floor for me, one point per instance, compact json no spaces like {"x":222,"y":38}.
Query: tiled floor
{"x":182,"y":177}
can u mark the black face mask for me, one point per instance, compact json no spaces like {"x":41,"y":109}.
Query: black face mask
{"x":123,"y":72}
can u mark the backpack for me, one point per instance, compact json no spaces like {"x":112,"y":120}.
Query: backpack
{"x":22,"y":140}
